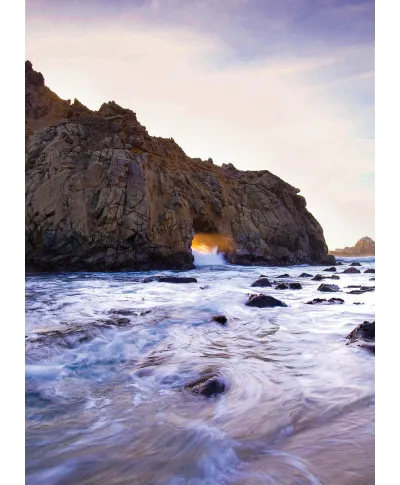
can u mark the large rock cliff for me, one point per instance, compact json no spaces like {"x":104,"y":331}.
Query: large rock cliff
{"x":101,"y":194}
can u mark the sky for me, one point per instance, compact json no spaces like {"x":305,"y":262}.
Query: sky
{"x":284,"y":85}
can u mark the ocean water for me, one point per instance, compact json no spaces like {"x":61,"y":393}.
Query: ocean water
{"x":107,"y":358}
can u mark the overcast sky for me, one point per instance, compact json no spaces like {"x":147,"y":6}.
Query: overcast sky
{"x":284,"y":85}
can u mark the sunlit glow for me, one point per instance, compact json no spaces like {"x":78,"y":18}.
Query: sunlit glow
{"x":208,"y":243}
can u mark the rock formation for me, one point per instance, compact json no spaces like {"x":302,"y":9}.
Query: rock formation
{"x":101,"y":194}
{"x":363,"y":247}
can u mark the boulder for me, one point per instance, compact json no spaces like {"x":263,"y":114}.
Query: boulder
{"x":328,"y":288}
{"x":355,"y":264}
{"x":263,"y":282}
{"x":332,"y":269}
{"x":220,"y":319}
{"x":282,"y":286}
{"x":305,"y":275}
{"x":370,"y":270}
{"x":318,"y":277}
{"x":324,"y":300}
{"x":364,"y":335}
{"x":351,"y":271}
{"x":295,"y":286}
{"x":264,"y":301}
{"x":170,"y":279}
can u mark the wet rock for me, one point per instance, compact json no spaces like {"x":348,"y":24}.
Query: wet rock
{"x":355,"y":292}
{"x":372,"y":279}
{"x":370,"y":270}
{"x":332,"y":269}
{"x":353,"y":286}
{"x":204,"y":287}
{"x":264,"y":301}
{"x":305,"y":275}
{"x":358,"y":303}
{"x":220,"y":319}
{"x":295,"y":286}
{"x":364,"y":335}
{"x":282,"y":286}
{"x":328,"y":288}
{"x":128,"y":312}
{"x":351,"y":271}
{"x":361,"y":290}
{"x":355,"y":264}
{"x":334,"y":277}
{"x":207,"y":386}
{"x":262,"y":282}
{"x":367,"y":288}
{"x":327,"y":260}
{"x":339,"y":263}
{"x":318,"y":277}
{"x":324,"y":300}
{"x":170,"y":279}
{"x":283,"y":276}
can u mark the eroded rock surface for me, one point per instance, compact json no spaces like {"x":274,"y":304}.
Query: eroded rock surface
{"x":102,"y":194}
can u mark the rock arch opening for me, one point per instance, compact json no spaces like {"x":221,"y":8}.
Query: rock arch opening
{"x":207,"y":239}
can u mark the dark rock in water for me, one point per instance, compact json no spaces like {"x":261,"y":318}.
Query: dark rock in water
{"x":305,"y":275}
{"x":334,"y":277}
{"x":264,"y":301}
{"x":220,"y":319}
{"x":318,"y":277}
{"x":295,"y":286}
{"x":283,"y":276}
{"x":170,"y":279}
{"x":361,"y":290}
{"x":208,"y":386}
{"x":282,"y":286}
{"x":367,"y":288}
{"x":356,"y":264}
{"x":353,"y":286}
{"x":262,"y":282}
{"x":324,"y":300}
{"x":339,"y":263}
{"x":351,"y":270}
{"x":358,"y":303}
{"x":327,"y":260}
{"x":332,"y":268}
{"x":370,"y":270}
{"x":328,"y":288}
{"x":204,"y":287}
{"x":372,"y":279}
{"x":364,"y":331}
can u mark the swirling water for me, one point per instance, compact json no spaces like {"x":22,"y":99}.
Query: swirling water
{"x":107,"y":357}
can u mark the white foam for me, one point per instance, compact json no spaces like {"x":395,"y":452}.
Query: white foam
{"x":208,"y":259}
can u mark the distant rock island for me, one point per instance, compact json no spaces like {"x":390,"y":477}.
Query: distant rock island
{"x":102,"y":194}
{"x":363,"y":247}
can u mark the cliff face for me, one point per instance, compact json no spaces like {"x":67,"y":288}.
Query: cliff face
{"x":363,"y":247}
{"x":101,"y":194}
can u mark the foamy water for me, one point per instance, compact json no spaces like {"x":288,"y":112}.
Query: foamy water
{"x":208,"y":259}
{"x":107,"y":357}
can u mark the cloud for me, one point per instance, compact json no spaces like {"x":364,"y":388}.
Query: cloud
{"x":276,"y":114}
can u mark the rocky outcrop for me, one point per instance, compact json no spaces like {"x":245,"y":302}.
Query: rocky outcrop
{"x":101,"y":194}
{"x":363,"y":247}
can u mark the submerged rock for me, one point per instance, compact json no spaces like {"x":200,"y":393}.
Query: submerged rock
{"x":334,"y":277}
{"x":262,"y":282}
{"x":370,"y":270}
{"x":351,"y":271}
{"x":220,"y":319}
{"x":207,"y":386}
{"x":305,"y":275}
{"x":282,"y":286}
{"x":283,"y":276}
{"x":324,"y":300}
{"x":264,"y":301}
{"x":295,"y":286}
{"x":355,"y":264}
{"x":328,"y":288}
{"x":332,"y":269}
